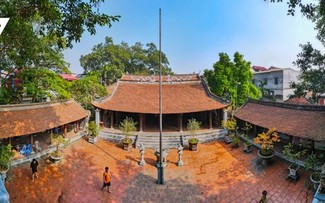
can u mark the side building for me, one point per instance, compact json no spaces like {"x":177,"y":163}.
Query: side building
{"x":32,"y":124}
{"x":276,"y":82}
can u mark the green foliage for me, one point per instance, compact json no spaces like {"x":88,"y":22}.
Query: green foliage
{"x":5,"y":156}
{"x":111,"y":60}
{"x":128,"y":126}
{"x":230,"y":125}
{"x":57,"y":140}
{"x":232,"y":79}
{"x":246,"y":128}
{"x":93,"y":129}
{"x":41,"y":82}
{"x":37,"y":83}
{"x":312,"y":73}
{"x":38,"y":31}
{"x":193,"y":140}
{"x":312,"y":161}
{"x":235,"y":141}
{"x":193,"y":125}
{"x":86,"y":89}
{"x":290,"y":153}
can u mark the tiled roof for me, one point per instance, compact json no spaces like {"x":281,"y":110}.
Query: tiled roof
{"x":68,"y":77}
{"x":23,"y":119}
{"x":180,"y":94}
{"x":259,"y":68}
{"x":304,"y":121}
{"x":298,"y":100}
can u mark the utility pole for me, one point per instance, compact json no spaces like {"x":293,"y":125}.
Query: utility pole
{"x":160,"y":164}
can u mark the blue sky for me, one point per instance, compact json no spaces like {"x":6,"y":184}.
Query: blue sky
{"x":195,"y":31}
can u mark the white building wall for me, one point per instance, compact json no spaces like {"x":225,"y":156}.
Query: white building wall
{"x":278,"y":81}
{"x":289,"y":76}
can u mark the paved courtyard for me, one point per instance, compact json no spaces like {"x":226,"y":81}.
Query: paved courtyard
{"x":215,"y":173}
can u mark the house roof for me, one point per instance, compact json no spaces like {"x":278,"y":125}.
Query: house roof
{"x":24,"y":119}
{"x":259,"y":68}
{"x":180,"y":94}
{"x":68,"y":77}
{"x":304,"y":121}
{"x":298,"y":100}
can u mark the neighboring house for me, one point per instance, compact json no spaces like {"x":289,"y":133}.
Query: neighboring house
{"x":184,"y":96}
{"x":276,"y":82}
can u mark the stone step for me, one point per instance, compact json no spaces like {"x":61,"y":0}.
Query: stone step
{"x":152,"y":141}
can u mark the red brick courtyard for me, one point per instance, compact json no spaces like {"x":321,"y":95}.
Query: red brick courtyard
{"x":215,"y":173}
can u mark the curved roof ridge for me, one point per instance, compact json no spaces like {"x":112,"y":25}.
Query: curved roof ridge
{"x":306,"y":107}
{"x":16,"y":107}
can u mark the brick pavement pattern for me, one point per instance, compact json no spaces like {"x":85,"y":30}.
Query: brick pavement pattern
{"x":214,"y":173}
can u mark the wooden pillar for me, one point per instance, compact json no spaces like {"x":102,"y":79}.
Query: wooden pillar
{"x":112,"y":120}
{"x":180,"y":122}
{"x":141,"y":122}
{"x":10,"y":140}
{"x":210,"y":120}
{"x":144,"y":121}
{"x":65,"y":129}
{"x":32,"y":141}
{"x":225,"y":115}
{"x":254,"y":130}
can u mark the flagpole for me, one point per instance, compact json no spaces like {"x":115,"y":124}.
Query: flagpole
{"x":160,"y":164}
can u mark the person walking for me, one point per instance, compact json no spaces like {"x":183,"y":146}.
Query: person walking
{"x":106,"y":179}
{"x":34,"y":166}
{"x":263,"y":198}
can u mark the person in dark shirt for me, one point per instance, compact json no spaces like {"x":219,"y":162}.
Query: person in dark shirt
{"x":34,"y":166}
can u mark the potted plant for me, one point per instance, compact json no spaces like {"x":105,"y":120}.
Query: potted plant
{"x":192,"y":126}
{"x":230,"y":125}
{"x":311,"y":163}
{"x":266,"y":142}
{"x":128,"y":126}
{"x":247,"y":145}
{"x":293,"y":155}
{"x":92,"y":132}
{"x":5,"y":157}
{"x":57,"y":140}
{"x":235,"y":142}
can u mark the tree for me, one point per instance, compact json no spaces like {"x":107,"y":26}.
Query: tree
{"x":312,"y":73}
{"x":112,"y":60}
{"x":86,"y":89}
{"x":232,"y":80}
{"x":37,"y":83}
{"x":38,"y":31}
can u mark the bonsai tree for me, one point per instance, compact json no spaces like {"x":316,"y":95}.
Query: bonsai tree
{"x":230,"y":125}
{"x":293,"y":155}
{"x":93,"y":129}
{"x":266,"y":141}
{"x":5,"y":156}
{"x":235,"y":142}
{"x":58,"y":140}
{"x":311,"y":163}
{"x":128,"y":126}
{"x":246,"y":129}
{"x":192,"y":126}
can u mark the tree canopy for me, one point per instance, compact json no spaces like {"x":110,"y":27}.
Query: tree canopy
{"x":112,"y":60}
{"x":232,"y":80}
{"x":86,"y":89}
{"x":38,"y":31}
